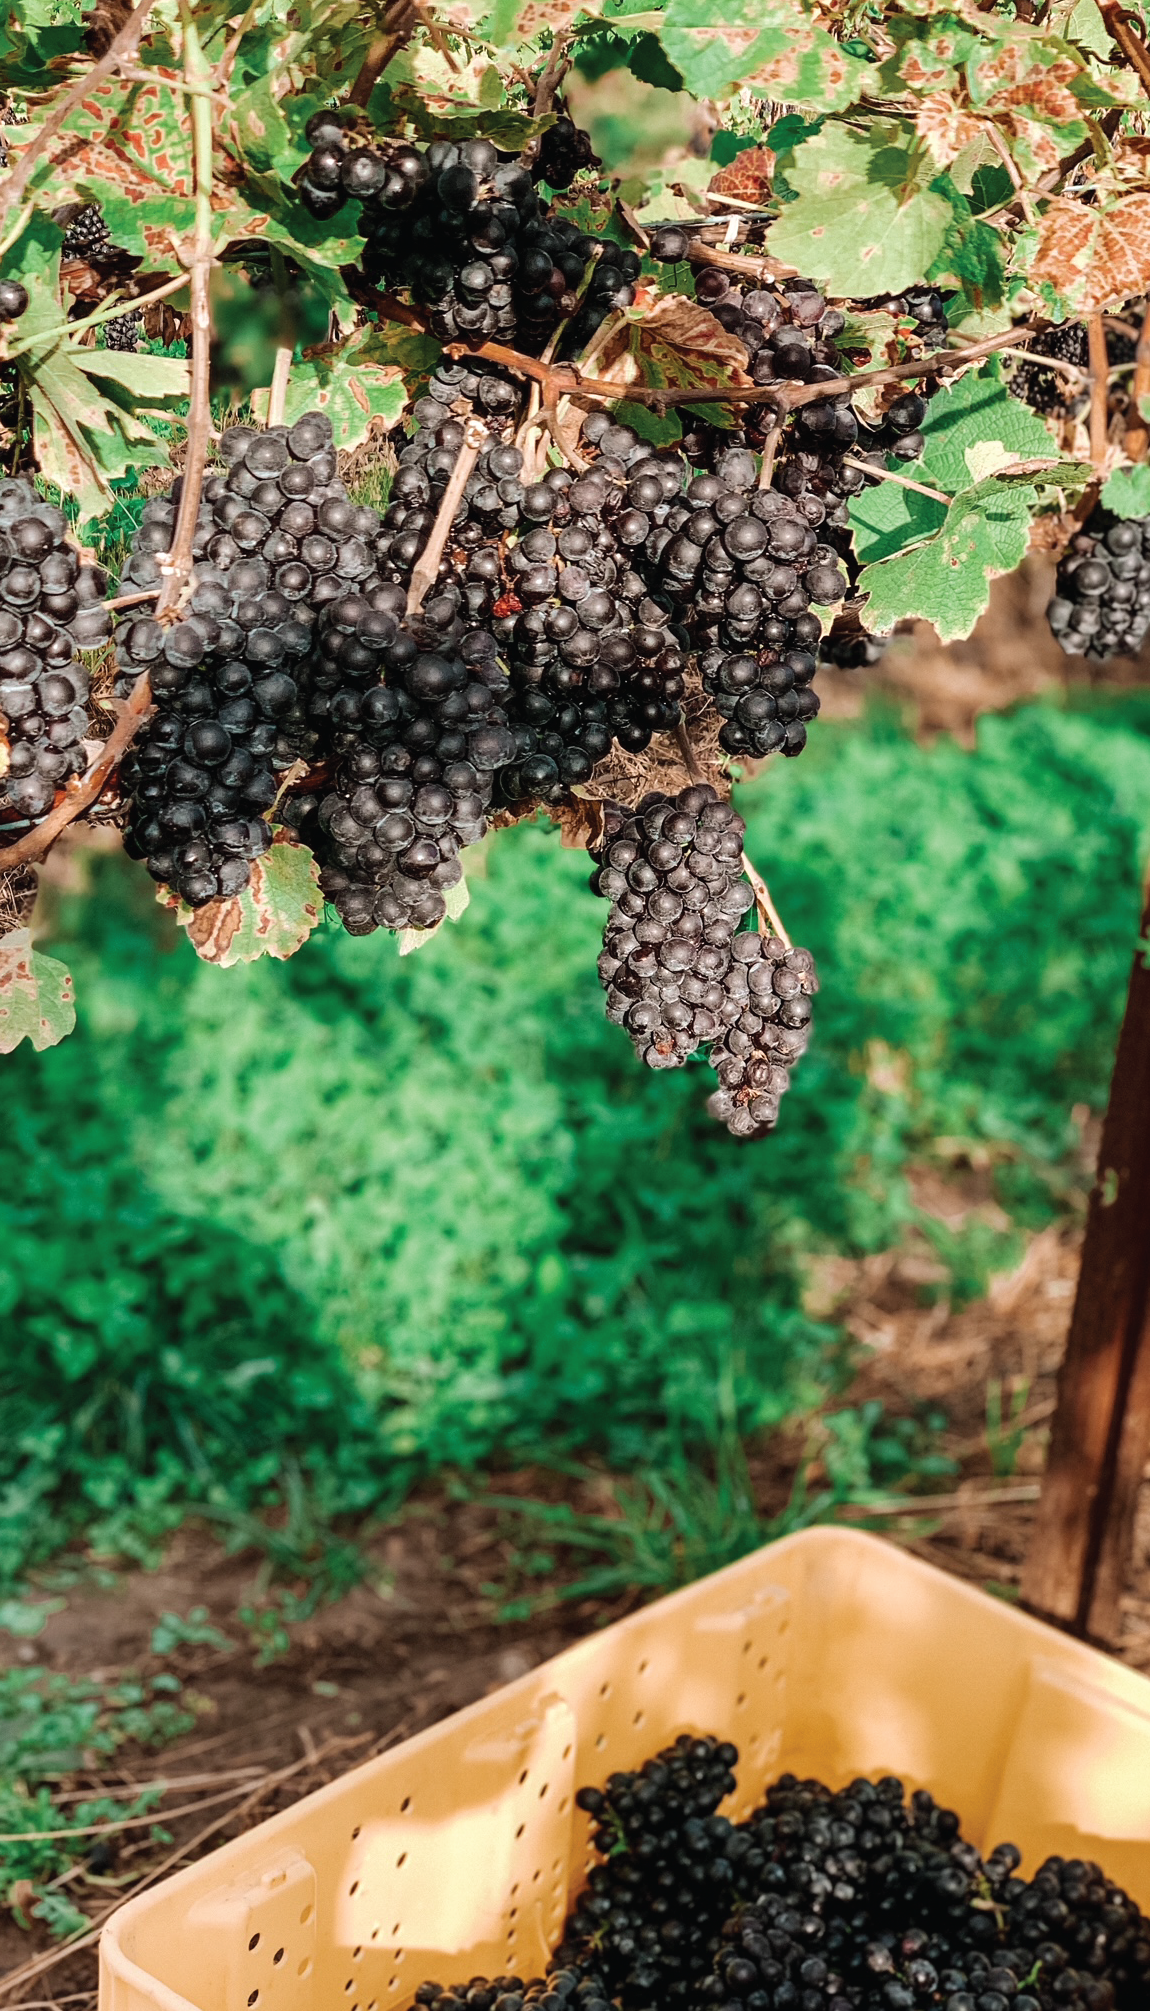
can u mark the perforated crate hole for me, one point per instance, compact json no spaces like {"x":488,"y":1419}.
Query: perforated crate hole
{"x":543,"y":1789}
{"x":637,"y":1719}
{"x":278,"y":1957}
{"x":356,"y":1831}
{"x":354,"y":1887}
{"x":253,"y":1943}
{"x":401,"y":1860}
{"x":306,"y":1915}
{"x":304,"y":1968}
{"x":253,"y":1997}
{"x":405,"y":1804}
{"x":600,"y":1742}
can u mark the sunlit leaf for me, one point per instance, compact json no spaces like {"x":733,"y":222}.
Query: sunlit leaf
{"x":36,"y":998}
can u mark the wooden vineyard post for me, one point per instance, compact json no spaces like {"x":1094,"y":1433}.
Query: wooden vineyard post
{"x":1080,"y":1553}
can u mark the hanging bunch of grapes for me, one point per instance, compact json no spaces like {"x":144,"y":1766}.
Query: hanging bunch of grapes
{"x":655,"y":447}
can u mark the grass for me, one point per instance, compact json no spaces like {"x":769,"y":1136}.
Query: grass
{"x":277,"y":1241}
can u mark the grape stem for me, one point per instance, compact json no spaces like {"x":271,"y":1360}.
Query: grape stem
{"x":176,"y":567}
{"x":134,"y":600}
{"x":551,"y":76}
{"x":1072,"y":370}
{"x":766,"y":908}
{"x":1131,"y":44}
{"x":277,"y":396}
{"x":120,"y":50}
{"x":1099,"y":367}
{"x":130,"y":303}
{"x":1137,"y":431}
{"x":770,"y":449}
{"x":398,"y":23}
{"x":566,"y":381}
{"x":686,"y":749}
{"x":424,"y":574}
{"x":904,"y":481}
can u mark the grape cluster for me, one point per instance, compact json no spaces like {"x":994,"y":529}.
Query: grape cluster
{"x":546,"y":568}
{"x":754,"y":1056}
{"x":565,"y":151}
{"x":1101,"y":605}
{"x":414,"y":780}
{"x":276,"y":539}
{"x":1054,"y":392}
{"x":745,"y":565}
{"x":88,"y":238}
{"x":51,"y":606}
{"x":461,"y":229}
{"x":561,"y":1990}
{"x":648,"y":1917}
{"x":1075,"y":1921}
{"x":676,"y":973}
{"x":865,"y":1899}
{"x":673,"y":873}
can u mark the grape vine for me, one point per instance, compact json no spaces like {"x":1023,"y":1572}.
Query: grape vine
{"x":651,"y":457}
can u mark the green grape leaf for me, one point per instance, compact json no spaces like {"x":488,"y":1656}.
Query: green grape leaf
{"x":349,"y":384}
{"x":864,"y":219}
{"x":456,"y":900}
{"x":128,"y":147}
{"x":972,"y":428}
{"x":86,"y":403}
{"x":273,"y":917}
{"x":772,"y":47}
{"x":36,"y":997}
{"x":1127,"y":492}
{"x":946,"y":579}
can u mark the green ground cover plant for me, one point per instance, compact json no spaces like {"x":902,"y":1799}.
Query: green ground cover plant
{"x":298,"y":1234}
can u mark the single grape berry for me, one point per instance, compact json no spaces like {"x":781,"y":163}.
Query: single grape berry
{"x":13,"y":299}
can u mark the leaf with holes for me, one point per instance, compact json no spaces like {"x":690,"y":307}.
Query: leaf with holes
{"x":273,"y":917}
{"x":345,"y":381}
{"x":945,"y":579}
{"x":1127,"y":492}
{"x":36,"y":997}
{"x":866,"y":217}
{"x":773,"y":47}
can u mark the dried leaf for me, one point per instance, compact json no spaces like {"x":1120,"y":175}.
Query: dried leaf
{"x":1093,"y":258}
{"x":36,"y":998}
{"x":748,"y":177}
{"x":672,"y":342}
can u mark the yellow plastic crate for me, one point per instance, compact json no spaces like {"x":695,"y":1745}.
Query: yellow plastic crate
{"x":829,"y":1653}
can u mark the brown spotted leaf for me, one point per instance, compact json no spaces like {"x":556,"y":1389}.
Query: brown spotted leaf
{"x":36,"y":997}
{"x":1093,"y":258}
{"x":673,"y":342}
{"x":274,"y":915}
{"x":747,"y":178}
